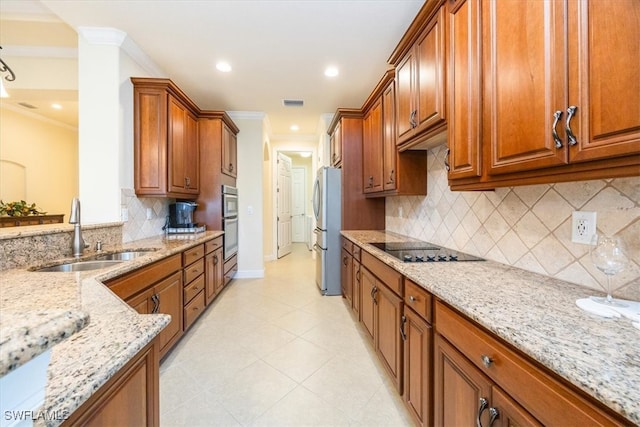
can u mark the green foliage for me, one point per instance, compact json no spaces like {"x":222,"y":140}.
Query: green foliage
{"x":20,"y":208}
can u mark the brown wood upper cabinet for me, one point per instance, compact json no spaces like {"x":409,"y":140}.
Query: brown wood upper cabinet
{"x":420,"y":78}
{"x":336,"y":146}
{"x":559,"y":88}
{"x":385,"y":171}
{"x":166,"y":149}
{"x":229,"y":152}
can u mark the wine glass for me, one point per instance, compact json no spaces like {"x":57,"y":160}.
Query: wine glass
{"x":608,"y":256}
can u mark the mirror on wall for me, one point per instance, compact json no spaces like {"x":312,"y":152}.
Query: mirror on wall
{"x":39,"y":132}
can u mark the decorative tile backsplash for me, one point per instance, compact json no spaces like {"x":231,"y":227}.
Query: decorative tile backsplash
{"x":146,"y":215}
{"x":528,"y":227}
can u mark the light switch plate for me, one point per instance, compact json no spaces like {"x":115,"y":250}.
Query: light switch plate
{"x":583,"y":227}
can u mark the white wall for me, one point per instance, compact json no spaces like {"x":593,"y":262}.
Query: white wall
{"x":250,"y":193}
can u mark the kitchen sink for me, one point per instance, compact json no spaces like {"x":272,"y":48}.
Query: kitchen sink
{"x":124,"y":255}
{"x":80,"y":266}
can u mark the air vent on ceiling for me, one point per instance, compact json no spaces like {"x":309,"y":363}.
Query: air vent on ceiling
{"x":293,"y":102}
{"x":26,"y":105}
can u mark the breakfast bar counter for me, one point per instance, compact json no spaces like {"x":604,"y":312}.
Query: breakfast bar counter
{"x":537,"y":315}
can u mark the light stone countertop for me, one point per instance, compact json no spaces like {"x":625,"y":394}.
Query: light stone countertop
{"x":537,"y":314}
{"x":92,"y":332}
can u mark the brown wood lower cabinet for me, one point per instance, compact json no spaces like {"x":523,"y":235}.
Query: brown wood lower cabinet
{"x":417,"y":334}
{"x":346,"y":276}
{"x":381,"y":314}
{"x":214,"y":276}
{"x":156,"y":288}
{"x":130,"y":398}
{"x":477,"y":375}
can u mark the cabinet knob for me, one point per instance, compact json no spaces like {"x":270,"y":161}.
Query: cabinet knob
{"x":486,"y":360}
{"x":412,"y":298}
{"x":230,"y":167}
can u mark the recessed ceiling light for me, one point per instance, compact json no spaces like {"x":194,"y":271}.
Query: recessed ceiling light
{"x":56,"y":106}
{"x":305,"y":154}
{"x":295,"y":128}
{"x":331,"y":72}
{"x":223,"y":66}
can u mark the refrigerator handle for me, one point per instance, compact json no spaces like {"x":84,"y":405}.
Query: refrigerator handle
{"x":316,"y":198}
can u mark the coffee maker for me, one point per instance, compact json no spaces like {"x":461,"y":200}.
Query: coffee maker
{"x":181,"y":214}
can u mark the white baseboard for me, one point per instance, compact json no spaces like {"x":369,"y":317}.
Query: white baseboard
{"x":249,"y":274}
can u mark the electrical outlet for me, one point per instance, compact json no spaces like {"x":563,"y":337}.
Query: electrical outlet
{"x":583,"y":227}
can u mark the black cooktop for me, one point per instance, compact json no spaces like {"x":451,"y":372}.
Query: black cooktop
{"x":423,"y":252}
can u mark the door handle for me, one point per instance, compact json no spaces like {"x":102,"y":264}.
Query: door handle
{"x":556,"y":117}
{"x":570,"y":113}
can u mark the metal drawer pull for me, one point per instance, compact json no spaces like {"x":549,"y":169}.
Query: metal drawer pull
{"x":483,"y":405}
{"x":570,"y":112}
{"x":412,"y":119}
{"x":486,"y":360}
{"x":402,"y":333}
{"x":412,"y":298}
{"x":344,"y":260}
{"x":556,"y":117}
{"x":494,"y":415}
{"x":446,"y":160}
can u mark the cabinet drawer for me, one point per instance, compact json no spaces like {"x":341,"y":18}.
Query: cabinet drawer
{"x":539,"y":392}
{"x":194,"y":270}
{"x":193,"y":288}
{"x":212,"y":245}
{"x":347,"y":245}
{"x":193,"y":309}
{"x":357,"y":251}
{"x":132,"y":283}
{"x":418,"y":299}
{"x":192,"y":254}
{"x":382,"y":271}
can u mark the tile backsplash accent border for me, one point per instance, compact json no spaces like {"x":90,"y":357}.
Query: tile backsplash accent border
{"x":528,"y":227}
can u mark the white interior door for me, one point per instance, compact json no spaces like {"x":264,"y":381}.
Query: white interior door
{"x":298,"y":203}
{"x":284,"y":205}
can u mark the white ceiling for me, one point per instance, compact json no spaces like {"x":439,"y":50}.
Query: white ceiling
{"x":278,"y":49}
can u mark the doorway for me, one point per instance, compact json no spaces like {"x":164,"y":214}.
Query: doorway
{"x":300,"y":203}
{"x":284,"y":202}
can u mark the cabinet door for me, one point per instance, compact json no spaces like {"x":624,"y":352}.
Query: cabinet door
{"x":169,"y":301}
{"x":213,"y":275}
{"x":524,"y":75}
{"x":458,"y":387}
{"x":346,"y":276}
{"x":150,"y":136}
{"x":191,"y":155}
{"x":229,"y":152}
{"x":389,"y":173}
{"x":357,"y":283}
{"x":430,"y":78}
{"x":142,"y":303}
{"x":372,"y":149}
{"x":604,"y":81}
{"x":405,"y":115}
{"x":177,"y":145}
{"x":417,"y":366}
{"x":336,"y":146}
{"x":388,"y":316}
{"x":464,"y":126}
{"x":367,"y":302}
{"x":511,"y":414}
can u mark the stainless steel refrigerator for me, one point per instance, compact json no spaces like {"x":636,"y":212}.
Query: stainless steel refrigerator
{"x":327,"y":208}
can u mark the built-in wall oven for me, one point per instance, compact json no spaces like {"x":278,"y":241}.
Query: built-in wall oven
{"x":230,"y":220}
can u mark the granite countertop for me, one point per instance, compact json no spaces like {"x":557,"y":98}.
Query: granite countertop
{"x":91,"y":332}
{"x":538,"y":315}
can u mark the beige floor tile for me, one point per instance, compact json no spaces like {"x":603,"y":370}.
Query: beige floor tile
{"x":201,"y":411}
{"x":298,"y":359}
{"x":302,"y":408}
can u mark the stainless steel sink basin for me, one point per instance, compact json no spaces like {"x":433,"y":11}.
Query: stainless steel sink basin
{"x":123,"y":256}
{"x":80,"y":266}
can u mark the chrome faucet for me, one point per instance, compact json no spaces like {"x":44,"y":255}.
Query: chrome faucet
{"x":78,"y":244}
